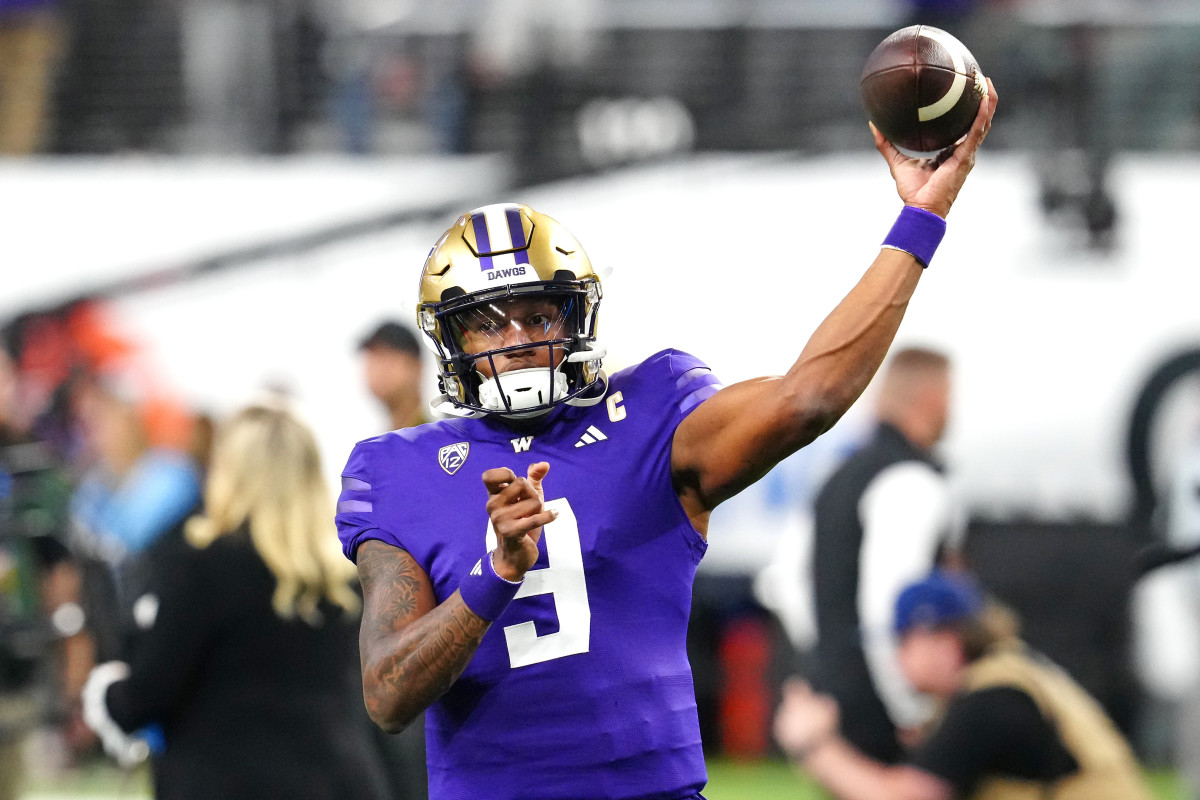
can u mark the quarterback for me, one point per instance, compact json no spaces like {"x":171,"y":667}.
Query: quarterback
{"x":540,"y":613}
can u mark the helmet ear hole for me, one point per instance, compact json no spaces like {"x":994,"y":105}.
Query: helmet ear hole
{"x":452,"y":292}
{"x":564,"y":275}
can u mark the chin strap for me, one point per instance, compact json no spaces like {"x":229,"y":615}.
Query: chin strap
{"x":522,"y":389}
{"x":527,"y":385}
{"x":601,"y":384}
{"x":445,"y":406}
{"x":594,"y":353}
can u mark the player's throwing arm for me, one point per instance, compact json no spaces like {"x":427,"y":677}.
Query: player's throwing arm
{"x":738,"y":434}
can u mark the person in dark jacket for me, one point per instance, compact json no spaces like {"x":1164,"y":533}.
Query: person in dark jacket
{"x":248,"y":656}
{"x":879,"y":522}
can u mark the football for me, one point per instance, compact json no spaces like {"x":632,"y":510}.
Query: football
{"x":922,"y":88}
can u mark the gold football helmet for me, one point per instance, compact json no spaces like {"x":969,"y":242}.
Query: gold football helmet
{"x":509,"y":300}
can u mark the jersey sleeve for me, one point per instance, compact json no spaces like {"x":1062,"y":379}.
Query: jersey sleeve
{"x":694,"y":380}
{"x":358,"y":508}
{"x":691,"y":380}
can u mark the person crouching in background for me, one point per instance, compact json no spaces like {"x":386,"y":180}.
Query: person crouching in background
{"x":1013,"y":726}
{"x":251,"y":663}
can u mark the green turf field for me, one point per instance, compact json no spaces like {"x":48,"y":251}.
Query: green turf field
{"x":728,"y":780}
{"x":774,"y":780}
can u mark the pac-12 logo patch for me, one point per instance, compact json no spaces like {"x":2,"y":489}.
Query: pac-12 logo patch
{"x":453,"y":456}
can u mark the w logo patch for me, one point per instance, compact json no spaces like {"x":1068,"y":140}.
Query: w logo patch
{"x":453,"y":456}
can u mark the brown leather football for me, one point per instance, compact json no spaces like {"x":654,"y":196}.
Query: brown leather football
{"x":922,"y":87}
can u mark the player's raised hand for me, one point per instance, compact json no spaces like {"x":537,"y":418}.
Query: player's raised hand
{"x":934,"y":184}
{"x":516,"y":509}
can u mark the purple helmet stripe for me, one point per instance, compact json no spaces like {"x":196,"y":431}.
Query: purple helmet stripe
{"x":479,"y":221}
{"x":516,"y":232}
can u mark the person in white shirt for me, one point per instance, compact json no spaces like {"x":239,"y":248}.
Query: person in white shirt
{"x":879,"y":523}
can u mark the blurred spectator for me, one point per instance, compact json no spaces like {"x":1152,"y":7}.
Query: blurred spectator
{"x":43,"y":657}
{"x":249,"y":72}
{"x":1183,"y":518}
{"x":204,"y":428}
{"x":128,"y":508}
{"x":878,"y":523}
{"x":250,"y":662}
{"x":532,"y":56}
{"x":29,"y":42}
{"x":120,"y":85}
{"x":392,"y":368}
{"x":349,"y":58}
{"x":1012,"y":724}
{"x":1167,"y":609}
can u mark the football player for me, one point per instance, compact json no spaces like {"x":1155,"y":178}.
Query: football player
{"x":541,"y":616}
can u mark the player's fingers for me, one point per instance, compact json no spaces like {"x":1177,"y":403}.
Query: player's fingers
{"x":536,"y":474}
{"x":517,"y":509}
{"x":509,"y":494}
{"x":992,"y":99}
{"x":540,"y":520}
{"x":520,"y":519}
{"x":885,"y":148}
{"x":962,"y":157}
{"x":513,"y":504}
{"x":498,"y":478}
{"x":983,"y":118}
{"x":517,"y":489}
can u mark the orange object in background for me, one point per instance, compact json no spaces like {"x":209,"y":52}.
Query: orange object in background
{"x":81,"y":340}
{"x":746,"y":695}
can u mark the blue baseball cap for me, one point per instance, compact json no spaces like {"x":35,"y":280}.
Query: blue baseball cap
{"x":938,"y":599}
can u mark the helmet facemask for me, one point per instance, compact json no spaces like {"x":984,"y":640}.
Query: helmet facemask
{"x":519,"y":350}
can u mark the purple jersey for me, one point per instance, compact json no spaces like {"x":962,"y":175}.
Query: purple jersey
{"x":582,"y":687}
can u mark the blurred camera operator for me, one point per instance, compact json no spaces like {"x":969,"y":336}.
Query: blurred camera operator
{"x":44,"y":655}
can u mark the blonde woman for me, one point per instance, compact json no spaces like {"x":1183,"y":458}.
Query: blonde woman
{"x":248,"y":659}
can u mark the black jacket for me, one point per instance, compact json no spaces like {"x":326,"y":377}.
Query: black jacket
{"x":252,"y":706}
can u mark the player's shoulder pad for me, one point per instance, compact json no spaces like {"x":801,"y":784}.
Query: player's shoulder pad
{"x":683,"y":376}
{"x":671,"y":362}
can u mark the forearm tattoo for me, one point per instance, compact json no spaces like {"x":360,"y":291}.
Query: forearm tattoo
{"x":409,"y":658}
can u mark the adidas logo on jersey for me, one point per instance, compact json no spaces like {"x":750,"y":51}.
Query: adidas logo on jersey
{"x":477,"y":570}
{"x":592,"y":436}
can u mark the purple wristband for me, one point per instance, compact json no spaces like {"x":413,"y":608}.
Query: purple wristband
{"x":485,"y":592}
{"x":917,"y":232}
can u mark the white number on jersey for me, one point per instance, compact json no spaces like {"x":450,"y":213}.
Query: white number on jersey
{"x":563,"y":578}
